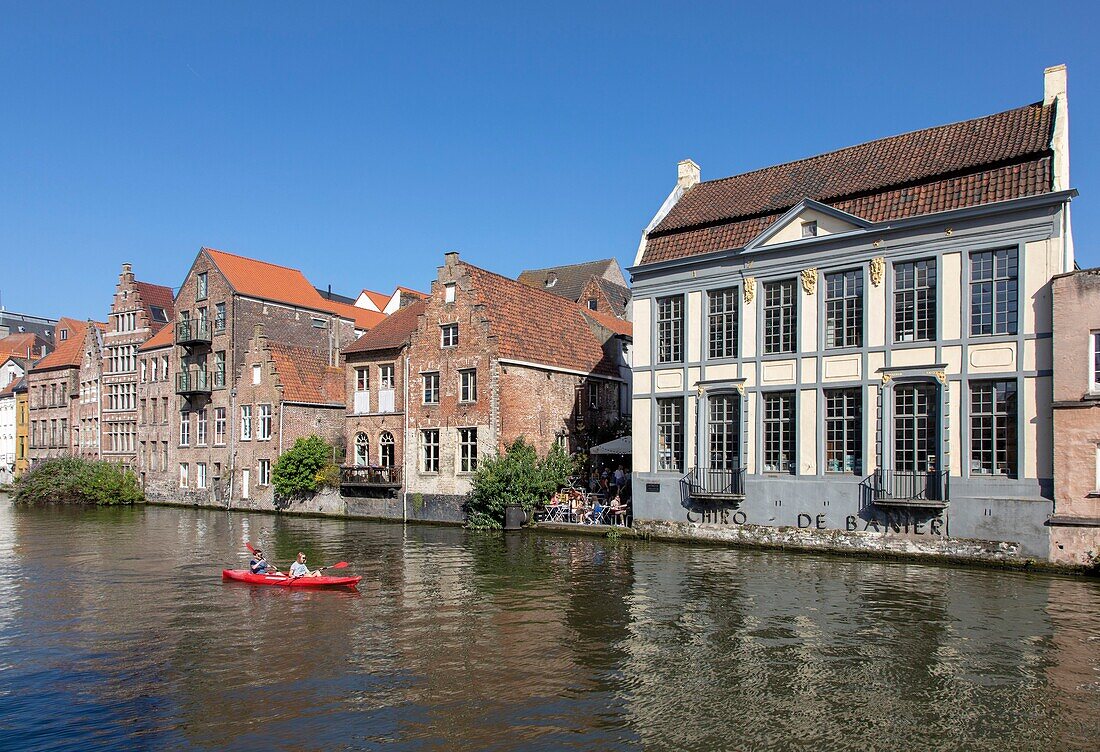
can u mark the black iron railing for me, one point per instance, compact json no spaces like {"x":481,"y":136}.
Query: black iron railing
{"x":716,"y":483}
{"x":192,"y":331}
{"x":370,"y":476}
{"x":193,"y":382}
{"x":909,"y":487}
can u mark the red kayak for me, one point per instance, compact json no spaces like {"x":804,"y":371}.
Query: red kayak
{"x":281,"y":580}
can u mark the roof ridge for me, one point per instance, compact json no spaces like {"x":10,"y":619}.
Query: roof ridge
{"x":579,"y":263}
{"x":152,"y":284}
{"x":868,"y":143}
{"x":527,"y":288}
{"x":258,"y":261}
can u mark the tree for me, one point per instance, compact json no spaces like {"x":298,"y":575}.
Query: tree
{"x":78,"y":481}
{"x":516,"y":477}
{"x":304,"y":468}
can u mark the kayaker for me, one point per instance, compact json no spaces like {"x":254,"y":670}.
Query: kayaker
{"x":259,"y":564}
{"x":299,"y":568}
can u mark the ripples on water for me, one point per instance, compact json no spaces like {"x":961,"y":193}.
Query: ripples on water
{"x":116,"y":632}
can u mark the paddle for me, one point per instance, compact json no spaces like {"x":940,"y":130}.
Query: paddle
{"x":252,"y":551}
{"x":337,"y":565}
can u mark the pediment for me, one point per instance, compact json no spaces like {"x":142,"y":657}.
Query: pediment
{"x":791,"y":226}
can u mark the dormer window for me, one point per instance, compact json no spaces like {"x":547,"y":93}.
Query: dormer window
{"x":809,"y":229}
{"x":592,"y":304}
{"x":64,"y":334}
{"x":551,"y":280}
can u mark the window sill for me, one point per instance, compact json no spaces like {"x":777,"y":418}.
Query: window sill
{"x":1093,"y":495}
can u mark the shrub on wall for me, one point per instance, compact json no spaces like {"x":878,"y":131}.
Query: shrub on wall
{"x":305,"y":468}
{"x":518,"y":476}
{"x":73,"y":480}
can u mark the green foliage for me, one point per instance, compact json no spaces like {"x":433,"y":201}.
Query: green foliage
{"x":518,"y":476}
{"x":305,"y":468}
{"x":73,"y":480}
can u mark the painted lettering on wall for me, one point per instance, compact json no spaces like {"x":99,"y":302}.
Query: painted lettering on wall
{"x":902,"y":522}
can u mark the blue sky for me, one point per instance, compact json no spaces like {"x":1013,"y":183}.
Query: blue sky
{"x":359,"y":142}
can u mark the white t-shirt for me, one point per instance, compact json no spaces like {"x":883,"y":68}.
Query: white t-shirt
{"x":298,"y":569}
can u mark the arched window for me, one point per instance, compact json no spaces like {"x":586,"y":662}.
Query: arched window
{"x":362,"y":450}
{"x":385,"y":449}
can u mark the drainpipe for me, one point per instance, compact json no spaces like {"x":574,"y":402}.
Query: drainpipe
{"x":405,"y":448}
{"x":230,"y":426}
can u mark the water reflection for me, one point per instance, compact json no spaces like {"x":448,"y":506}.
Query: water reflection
{"x":116,"y":632}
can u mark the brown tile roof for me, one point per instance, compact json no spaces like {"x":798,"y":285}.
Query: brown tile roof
{"x":306,"y":375}
{"x":156,"y":296}
{"x":616,"y":294}
{"x":567,"y":281}
{"x":281,"y":284}
{"x":609,"y":321}
{"x":70,"y":351}
{"x":394,"y":332}
{"x":993,"y":158}
{"x":21,"y":345}
{"x":538,"y":327}
{"x":163,"y":338}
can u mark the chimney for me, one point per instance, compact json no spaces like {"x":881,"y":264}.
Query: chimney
{"x":1054,"y":83}
{"x":687,"y":174}
{"x":1054,"y":93}
{"x":450,"y":258}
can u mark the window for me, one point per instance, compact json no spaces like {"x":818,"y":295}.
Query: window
{"x":449,"y":292}
{"x":362,"y":379}
{"x":467,"y":450}
{"x":844,"y":309}
{"x":385,"y":376}
{"x":200,"y":475}
{"x":993,"y":428}
{"x":780,"y":317}
{"x":1094,"y":384}
{"x":200,"y":286}
{"x":265,"y":423}
{"x":448,"y":335}
{"x":593,"y":395}
{"x":670,"y":434}
{"x":843,"y":431}
{"x":143,"y":371}
{"x":64,"y":334}
{"x":385,"y":449}
{"x":915,"y":301}
{"x":319,"y":323}
{"x":185,"y":428}
{"x":183,"y":475}
{"x":916,"y":423}
{"x":431,"y":388}
{"x":467,"y":385}
{"x":779,"y":432}
{"x":593,"y":304}
{"x":158,"y":314}
{"x":362,"y":450}
{"x":200,"y":428}
{"x":670,"y":329}
{"x":809,"y":229}
{"x":724,"y":432}
{"x":164,"y":368}
{"x":429,"y":450}
{"x":219,"y":317}
{"x":256,"y":373}
{"x":246,"y":422}
{"x":993,"y":276}
{"x":219,"y":426}
{"x":722,"y":315}
{"x":265,"y":473}
{"x":219,"y":369}
{"x":153,"y":368}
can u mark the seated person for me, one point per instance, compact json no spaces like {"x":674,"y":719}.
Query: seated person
{"x":259,"y":565}
{"x":299,"y":568}
{"x":594,"y":515}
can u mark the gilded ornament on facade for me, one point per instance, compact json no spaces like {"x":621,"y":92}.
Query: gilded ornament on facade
{"x":885,"y":378}
{"x":741,"y":388}
{"x":878,"y":270}
{"x":809,"y":280}
{"x":940,"y":376}
{"x":750,"y":289}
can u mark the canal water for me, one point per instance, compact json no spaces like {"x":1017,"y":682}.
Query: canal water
{"x":117,"y":632}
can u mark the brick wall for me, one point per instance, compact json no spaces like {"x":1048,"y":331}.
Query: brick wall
{"x":156,"y":440}
{"x":87,"y":428}
{"x":50,"y":395}
{"x":374,"y":423}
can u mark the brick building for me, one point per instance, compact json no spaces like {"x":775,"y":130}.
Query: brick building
{"x":87,"y":410}
{"x":138,"y":311}
{"x":218,"y":306}
{"x":54,"y":391}
{"x":1075,"y":524}
{"x":156,"y":403}
{"x":490,"y":360}
{"x":597,"y":285}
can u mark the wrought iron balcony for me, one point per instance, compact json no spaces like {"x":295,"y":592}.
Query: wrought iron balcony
{"x":361,"y":476}
{"x":192,"y":382}
{"x":908,"y":488}
{"x":193,"y":332}
{"x":714,"y":484}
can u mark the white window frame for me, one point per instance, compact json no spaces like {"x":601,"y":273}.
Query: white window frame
{"x":200,"y":475}
{"x":444,"y":329}
{"x":246,"y":422}
{"x":264,"y":430}
{"x":184,"y":474}
{"x":263,"y":473}
{"x":257,"y":373}
{"x":1094,"y":372}
{"x":449,"y":292}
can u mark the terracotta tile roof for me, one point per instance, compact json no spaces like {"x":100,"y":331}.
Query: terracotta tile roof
{"x":163,"y":338}
{"x":566,"y":281}
{"x":156,"y":296}
{"x":538,"y":327}
{"x":306,"y":375}
{"x":9,"y":390}
{"x":281,"y":284}
{"x":19,"y":345}
{"x":414,"y":293}
{"x":70,"y":351}
{"x":993,"y":158}
{"x":394,"y":332}
{"x":380,"y":299}
{"x":613,"y":323}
